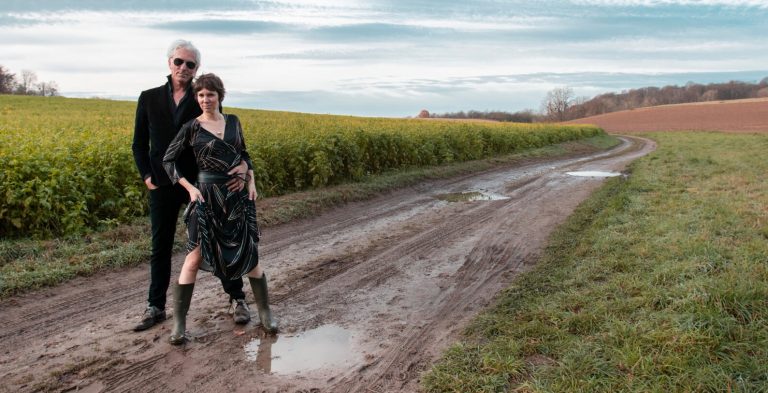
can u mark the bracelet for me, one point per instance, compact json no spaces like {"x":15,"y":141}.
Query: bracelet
{"x":244,"y":177}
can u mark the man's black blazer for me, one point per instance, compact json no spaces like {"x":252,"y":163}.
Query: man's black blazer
{"x":154,"y":130}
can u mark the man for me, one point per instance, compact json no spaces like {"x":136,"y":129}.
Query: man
{"x":159,"y":115}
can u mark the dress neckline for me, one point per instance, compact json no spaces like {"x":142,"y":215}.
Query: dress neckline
{"x":223,"y":134}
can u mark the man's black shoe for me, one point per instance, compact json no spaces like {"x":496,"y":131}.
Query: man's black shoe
{"x":242,"y":314}
{"x":152,"y":316}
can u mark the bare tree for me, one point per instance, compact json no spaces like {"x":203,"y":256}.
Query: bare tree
{"x":557,"y":102}
{"x":576,"y":108}
{"x":28,"y":80}
{"x":709,"y":95}
{"x":524,"y":116}
{"x":49,"y":89}
{"x":7,"y":81}
{"x":53,"y":88}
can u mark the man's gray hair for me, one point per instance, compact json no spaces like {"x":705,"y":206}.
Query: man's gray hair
{"x":184,"y":44}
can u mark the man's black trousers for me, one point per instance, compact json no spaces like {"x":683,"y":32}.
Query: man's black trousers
{"x":165,"y":202}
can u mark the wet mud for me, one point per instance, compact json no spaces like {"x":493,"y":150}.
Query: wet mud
{"x":367,"y":296}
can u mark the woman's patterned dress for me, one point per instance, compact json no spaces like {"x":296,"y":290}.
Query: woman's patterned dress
{"x":224,"y":226}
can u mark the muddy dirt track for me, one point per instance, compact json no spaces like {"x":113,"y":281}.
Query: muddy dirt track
{"x":367,"y":295}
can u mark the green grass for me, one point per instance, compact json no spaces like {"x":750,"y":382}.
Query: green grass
{"x":658,"y":283}
{"x":27,"y":264}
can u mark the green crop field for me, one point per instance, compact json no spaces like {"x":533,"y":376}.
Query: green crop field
{"x":68,"y":166}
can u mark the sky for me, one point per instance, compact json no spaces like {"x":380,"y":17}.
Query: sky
{"x":388,"y":58}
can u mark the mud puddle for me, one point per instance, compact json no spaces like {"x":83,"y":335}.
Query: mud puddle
{"x":593,"y":174}
{"x":328,"y":346}
{"x":471,"y":196}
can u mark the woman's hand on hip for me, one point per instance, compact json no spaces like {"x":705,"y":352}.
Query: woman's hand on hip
{"x":237,"y":174}
{"x":195,"y":194}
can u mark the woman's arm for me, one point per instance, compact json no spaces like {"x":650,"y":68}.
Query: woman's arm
{"x":252,"y":193}
{"x":240,"y":171}
{"x":194,"y":192}
{"x":180,"y":143}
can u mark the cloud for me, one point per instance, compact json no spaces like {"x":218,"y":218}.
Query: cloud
{"x":373,"y":32}
{"x":663,"y":3}
{"x":134,"y":5}
{"x":10,"y":20}
{"x":215,"y":26}
{"x":338,"y":33}
{"x":335,"y":53}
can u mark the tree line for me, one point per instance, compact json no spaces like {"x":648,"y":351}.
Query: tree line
{"x":561,"y":104}
{"x":524,"y":116}
{"x":25,"y":84}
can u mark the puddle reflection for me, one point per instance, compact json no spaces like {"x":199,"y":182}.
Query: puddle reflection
{"x":470,"y":196}
{"x":594,"y":174}
{"x":325,"y":346}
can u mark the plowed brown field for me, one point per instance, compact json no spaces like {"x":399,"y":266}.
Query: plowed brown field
{"x":732,"y":116}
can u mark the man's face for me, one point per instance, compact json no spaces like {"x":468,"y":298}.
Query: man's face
{"x":182,"y":73}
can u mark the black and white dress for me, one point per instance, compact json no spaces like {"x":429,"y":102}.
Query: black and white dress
{"x":224,"y":226}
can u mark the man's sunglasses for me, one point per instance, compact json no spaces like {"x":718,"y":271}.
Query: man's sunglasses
{"x":190,"y":64}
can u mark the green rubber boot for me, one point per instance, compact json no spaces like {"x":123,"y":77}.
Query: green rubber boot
{"x":259,"y":286}
{"x":182,"y":296}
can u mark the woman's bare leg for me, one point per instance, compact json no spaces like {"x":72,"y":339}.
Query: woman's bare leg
{"x":256,"y":272}
{"x":188,"y":273}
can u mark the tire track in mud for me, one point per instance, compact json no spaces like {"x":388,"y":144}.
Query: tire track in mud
{"x":414,"y":270}
{"x":33,"y":325}
{"x":137,"y":374}
{"x":372,"y":267}
{"x":340,"y":218}
{"x":308,"y":277}
{"x":493,"y":260}
{"x":410,"y":242}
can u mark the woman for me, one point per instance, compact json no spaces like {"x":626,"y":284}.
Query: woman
{"x":221,"y":224}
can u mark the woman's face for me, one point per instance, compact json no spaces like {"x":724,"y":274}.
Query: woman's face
{"x":208,"y":100}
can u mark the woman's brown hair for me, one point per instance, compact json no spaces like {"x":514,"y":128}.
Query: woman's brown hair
{"x":209,"y":82}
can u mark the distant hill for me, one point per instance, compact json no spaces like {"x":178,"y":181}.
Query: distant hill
{"x":668,"y":95}
{"x":749,"y":115}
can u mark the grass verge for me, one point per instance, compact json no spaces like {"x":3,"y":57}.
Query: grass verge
{"x":658,"y":283}
{"x":30,"y":264}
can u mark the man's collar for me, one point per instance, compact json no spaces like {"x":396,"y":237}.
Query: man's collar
{"x":170,"y":83}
